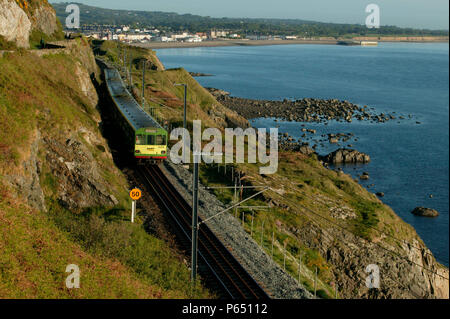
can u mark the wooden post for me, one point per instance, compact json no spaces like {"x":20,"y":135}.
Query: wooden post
{"x":299,"y":268}
{"x":251,"y":230}
{"x":235,"y":199}
{"x":262,"y":232}
{"x":273,"y":237}
{"x":144,"y":62}
{"x":315,"y":283}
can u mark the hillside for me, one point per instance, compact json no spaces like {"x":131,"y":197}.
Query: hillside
{"x":195,"y":23}
{"x":322,"y":216}
{"x":62,"y":199}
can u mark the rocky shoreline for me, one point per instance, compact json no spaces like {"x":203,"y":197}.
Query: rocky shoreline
{"x":310,"y":110}
{"x":304,"y":110}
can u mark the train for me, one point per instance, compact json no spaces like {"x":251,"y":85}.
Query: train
{"x":146,"y":140}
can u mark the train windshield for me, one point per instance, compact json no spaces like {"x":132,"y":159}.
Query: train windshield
{"x":160,"y":140}
{"x":140,"y":140}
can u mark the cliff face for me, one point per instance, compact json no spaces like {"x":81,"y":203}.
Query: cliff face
{"x":65,"y":157}
{"x":14,"y":23}
{"x":19,"y":18}
{"x":414,"y":275}
{"x":44,"y":19}
{"x":62,"y":199}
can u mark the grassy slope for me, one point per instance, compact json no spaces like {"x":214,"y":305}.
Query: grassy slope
{"x":34,"y":254}
{"x":305,"y":193}
{"x":116,"y":259}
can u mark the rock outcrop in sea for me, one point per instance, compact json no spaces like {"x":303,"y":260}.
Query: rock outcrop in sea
{"x":425,"y":212}
{"x":344,"y":156}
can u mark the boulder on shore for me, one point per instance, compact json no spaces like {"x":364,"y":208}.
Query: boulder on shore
{"x":344,"y":155}
{"x":364,"y":177}
{"x":425,"y":212}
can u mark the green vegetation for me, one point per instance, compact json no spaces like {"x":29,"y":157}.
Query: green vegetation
{"x":6,"y":45}
{"x":34,"y":255}
{"x":194,"y":23}
{"x":116,"y":259}
{"x":273,"y":221}
{"x":107,"y":232}
{"x":37,"y":92}
{"x":39,"y":38}
{"x":305,"y":192}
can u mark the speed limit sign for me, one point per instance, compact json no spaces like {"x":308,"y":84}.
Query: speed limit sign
{"x":135,"y":194}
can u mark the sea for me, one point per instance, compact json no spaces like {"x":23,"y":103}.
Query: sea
{"x":409,"y":157}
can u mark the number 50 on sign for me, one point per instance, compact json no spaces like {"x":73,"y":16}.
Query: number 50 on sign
{"x":135,"y":194}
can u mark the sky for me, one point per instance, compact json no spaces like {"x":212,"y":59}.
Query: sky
{"x":429,"y":14}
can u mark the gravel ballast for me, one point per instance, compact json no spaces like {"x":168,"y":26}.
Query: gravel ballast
{"x":277,"y":282}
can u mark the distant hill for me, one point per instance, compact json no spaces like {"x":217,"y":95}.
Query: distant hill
{"x":195,"y":23}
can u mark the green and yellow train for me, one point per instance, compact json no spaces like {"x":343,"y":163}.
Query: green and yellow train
{"x":146,"y":139}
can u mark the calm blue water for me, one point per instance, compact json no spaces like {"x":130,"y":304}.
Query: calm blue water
{"x":409,"y":160}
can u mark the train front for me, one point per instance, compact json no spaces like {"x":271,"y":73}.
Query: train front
{"x":151,"y":145}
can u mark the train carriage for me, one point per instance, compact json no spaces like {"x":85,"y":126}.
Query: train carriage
{"x":146,"y":139}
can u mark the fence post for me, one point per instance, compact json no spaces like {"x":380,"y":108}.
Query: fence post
{"x":273,"y":236}
{"x":299,"y":268}
{"x":251,"y":230}
{"x":235,"y":198}
{"x":262,"y":233}
{"x":315,"y":283}
{"x":243,"y":219}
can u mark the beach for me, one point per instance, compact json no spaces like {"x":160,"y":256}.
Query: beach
{"x":330,"y":40}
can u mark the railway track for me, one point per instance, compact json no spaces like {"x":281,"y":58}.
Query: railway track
{"x":216,"y":264}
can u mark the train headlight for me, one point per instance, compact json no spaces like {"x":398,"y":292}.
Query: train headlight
{"x":163,"y":152}
{"x":137,"y":151}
